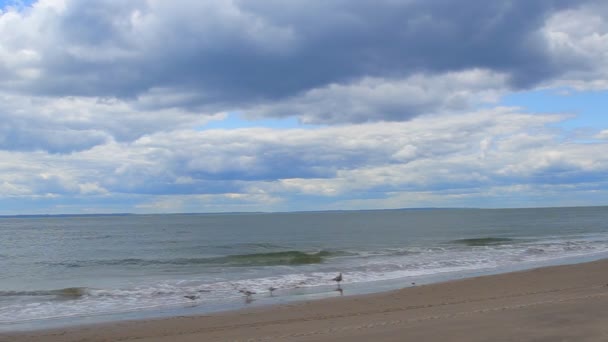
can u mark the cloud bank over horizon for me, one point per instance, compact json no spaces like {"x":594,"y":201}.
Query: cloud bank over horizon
{"x":130,"y":106}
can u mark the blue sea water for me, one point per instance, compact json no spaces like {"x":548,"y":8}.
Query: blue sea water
{"x":72,"y":270}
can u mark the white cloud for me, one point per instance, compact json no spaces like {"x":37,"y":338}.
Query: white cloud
{"x":577,"y":41}
{"x":67,"y":124}
{"x":460,"y":156}
{"x":448,"y":152}
{"x":603,"y":134}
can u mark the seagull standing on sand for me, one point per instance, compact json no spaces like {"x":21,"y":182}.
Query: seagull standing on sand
{"x":338,"y":279}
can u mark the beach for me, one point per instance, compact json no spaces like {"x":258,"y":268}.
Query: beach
{"x":320,"y":170}
{"x":557,"y":303}
{"x":92,"y":269}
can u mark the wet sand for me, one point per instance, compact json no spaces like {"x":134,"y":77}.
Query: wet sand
{"x":560,"y":303}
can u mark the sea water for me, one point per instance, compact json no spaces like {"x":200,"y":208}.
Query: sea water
{"x":71,"y":270}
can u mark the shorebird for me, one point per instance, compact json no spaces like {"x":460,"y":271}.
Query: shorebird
{"x":247,"y":293}
{"x":192,"y":297}
{"x":271,"y":289}
{"x":338,"y":279}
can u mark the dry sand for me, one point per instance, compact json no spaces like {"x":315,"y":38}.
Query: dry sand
{"x":562,"y":303}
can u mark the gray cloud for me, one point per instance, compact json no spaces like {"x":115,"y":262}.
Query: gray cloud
{"x":373,"y":99}
{"x":235,"y":54}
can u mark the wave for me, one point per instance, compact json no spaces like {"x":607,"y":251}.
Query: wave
{"x":237,"y":260}
{"x":486,"y":241}
{"x":67,"y":293}
{"x":275,"y":258}
{"x":252,"y":245}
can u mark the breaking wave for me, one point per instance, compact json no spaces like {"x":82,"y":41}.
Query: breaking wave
{"x":255,"y":259}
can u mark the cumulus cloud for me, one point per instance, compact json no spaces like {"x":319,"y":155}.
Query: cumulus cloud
{"x":460,"y":155}
{"x":375,"y":99}
{"x":67,"y":124}
{"x":577,"y":41}
{"x":227,"y":55}
{"x":104,"y":99}
{"x":75,"y":74}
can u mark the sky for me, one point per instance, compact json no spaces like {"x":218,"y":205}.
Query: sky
{"x":153,"y":106}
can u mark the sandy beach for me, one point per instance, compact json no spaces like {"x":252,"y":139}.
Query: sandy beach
{"x":560,"y":303}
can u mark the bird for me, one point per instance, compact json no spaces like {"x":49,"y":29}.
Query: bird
{"x":338,"y":279}
{"x":247,"y":292}
{"x":271,"y":289}
{"x":248,"y":295}
{"x":192,"y":297}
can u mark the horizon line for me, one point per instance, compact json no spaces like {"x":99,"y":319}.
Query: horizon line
{"x":291,"y":212}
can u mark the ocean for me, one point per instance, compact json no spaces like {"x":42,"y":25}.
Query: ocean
{"x":81,"y":269}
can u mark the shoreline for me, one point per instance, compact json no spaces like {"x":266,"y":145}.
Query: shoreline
{"x":524,"y":303}
{"x":297,"y":295}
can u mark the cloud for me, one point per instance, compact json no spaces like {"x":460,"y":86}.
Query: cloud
{"x":68,"y":124}
{"x":577,"y":41}
{"x":104,"y":100}
{"x":463,"y":155}
{"x":213,"y":56}
{"x":603,"y":134}
{"x":376,"y":99}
